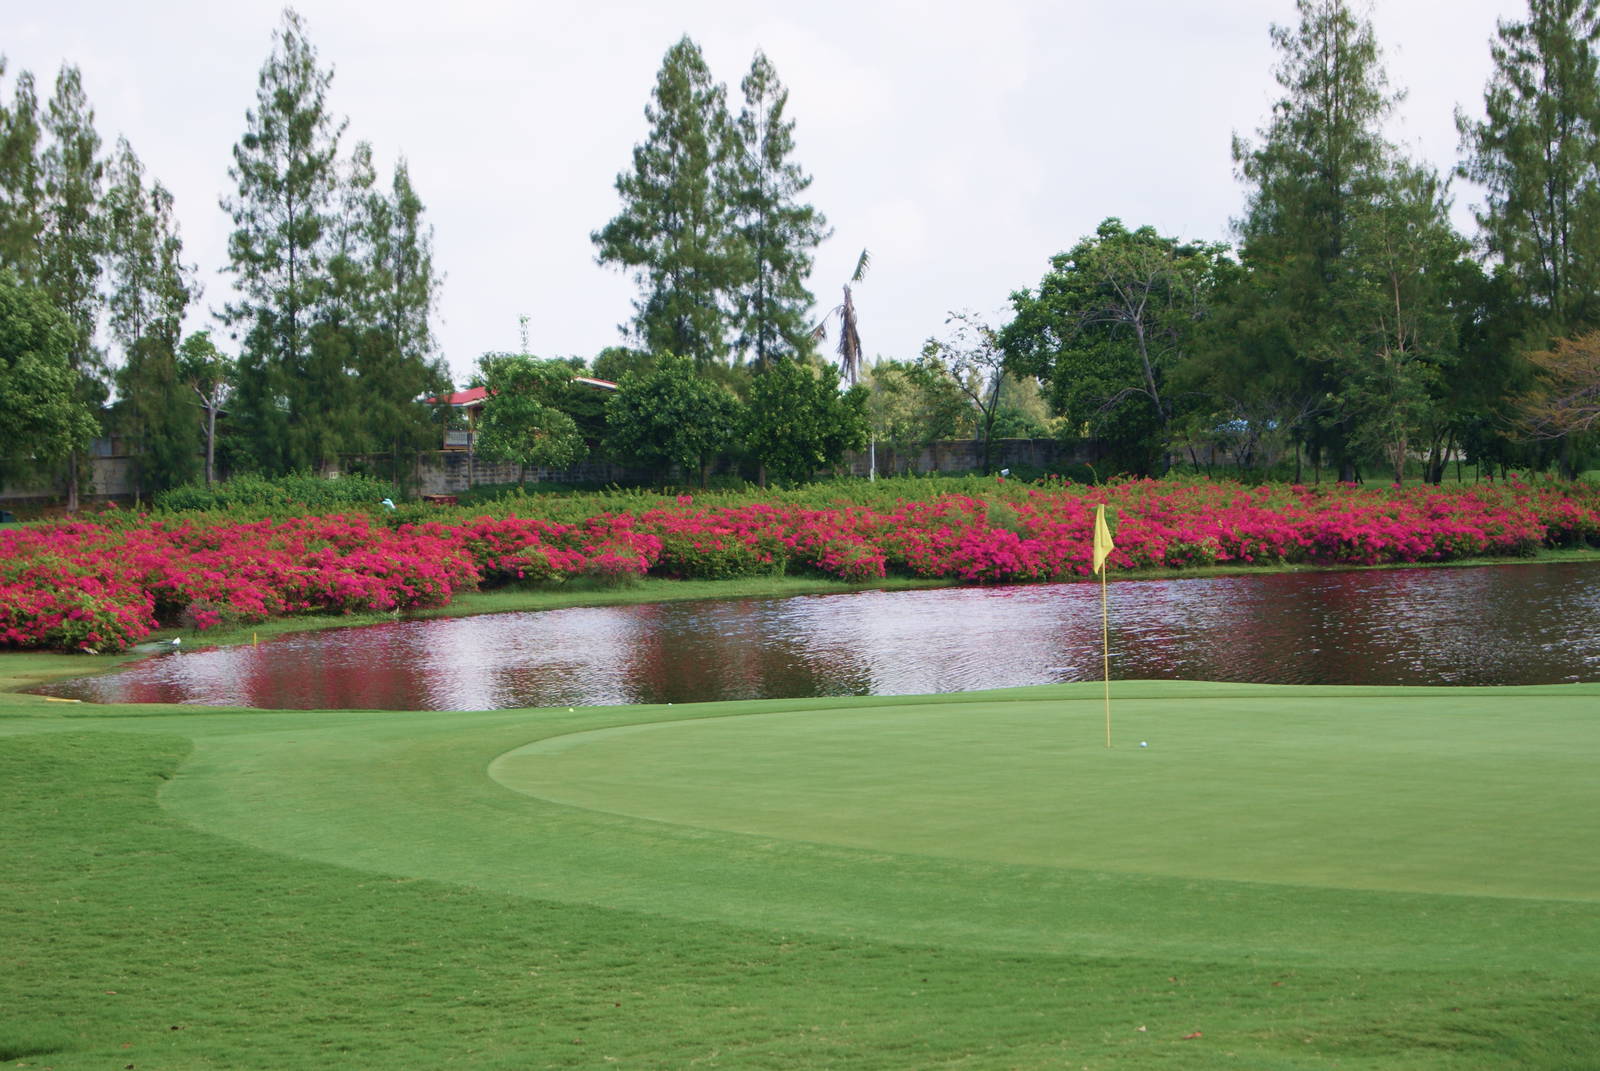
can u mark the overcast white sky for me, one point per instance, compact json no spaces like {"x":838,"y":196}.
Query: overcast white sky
{"x":962,"y":143}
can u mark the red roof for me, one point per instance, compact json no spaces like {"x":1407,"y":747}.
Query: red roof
{"x":476,"y":395}
{"x":462,"y":397}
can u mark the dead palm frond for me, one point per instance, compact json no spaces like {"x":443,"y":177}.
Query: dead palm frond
{"x":849,"y":347}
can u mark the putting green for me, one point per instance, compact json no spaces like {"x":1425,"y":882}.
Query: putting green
{"x":1399,"y":827}
{"x":1411,"y":793}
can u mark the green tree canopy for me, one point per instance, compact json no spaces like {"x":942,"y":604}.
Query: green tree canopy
{"x":676,"y":227}
{"x":209,"y":373}
{"x":150,"y":290}
{"x":797,"y":423}
{"x":777,"y":233}
{"x":43,"y":419}
{"x":21,"y":184}
{"x":971,"y":358}
{"x":1108,"y":326}
{"x":1537,"y":154}
{"x":913,"y":405}
{"x":1320,"y":164}
{"x":282,"y":212}
{"x":522,"y":422}
{"x":669,"y":416}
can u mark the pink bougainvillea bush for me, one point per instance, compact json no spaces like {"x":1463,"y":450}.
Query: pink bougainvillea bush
{"x":104,"y":586}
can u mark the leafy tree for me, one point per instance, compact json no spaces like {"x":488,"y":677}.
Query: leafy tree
{"x":1537,"y":153}
{"x":150,"y":289}
{"x":671,"y":416}
{"x":676,"y":230}
{"x":21,"y":184}
{"x":1491,"y":370}
{"x":1109,"y":324}
{"x":614,"y":362}
{"x":1251,"y":399}
{"x":913,"y":405}
{"x":1023,"y":412}
{"x":777,"y":233}
{"x":521,"y":421}
{"x":284,"y":167}
{"x":1565,"y":401}
{"x":209,"y":373}
{"x":972,"y":359}
{"x":42,"y":416}
{"x":1320,"y":164}
{"x":797,"y":423}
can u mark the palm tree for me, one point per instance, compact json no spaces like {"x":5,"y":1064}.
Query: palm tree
{"x":849,"y":348}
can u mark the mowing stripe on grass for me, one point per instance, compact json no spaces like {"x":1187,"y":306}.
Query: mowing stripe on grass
{"x":1388,"y":771}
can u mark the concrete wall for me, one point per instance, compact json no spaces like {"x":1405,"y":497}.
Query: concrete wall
{"x":443,"y":472}
{"x":966,"y":455}
{"x":446,"y":472}
{"x":110,"y":478}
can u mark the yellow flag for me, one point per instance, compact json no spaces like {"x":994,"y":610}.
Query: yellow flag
{"x":1102,"y":539}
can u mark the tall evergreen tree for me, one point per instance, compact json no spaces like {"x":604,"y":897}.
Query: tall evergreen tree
{"x":396,"y":359}
{"x":777,"y":233}
{"x":1319,"y":166}
{"x":1402,"y":295}
{"x":676,"y":228}
{"x":72,"y":241}
{"x":1537,"y":153}
{"x":150,"y":288}
{"x":284,"y":166}
{"x":21,"y":185}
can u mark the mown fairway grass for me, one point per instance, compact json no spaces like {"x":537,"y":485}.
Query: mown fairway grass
{"x":1307,"y":878}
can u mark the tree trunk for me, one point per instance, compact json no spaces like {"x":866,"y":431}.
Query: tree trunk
{"x":211,"y":444}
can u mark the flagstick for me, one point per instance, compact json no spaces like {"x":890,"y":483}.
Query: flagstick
{"x":1105,"y":649}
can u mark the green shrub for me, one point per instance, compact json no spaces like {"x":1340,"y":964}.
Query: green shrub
{"x":304,"y":492}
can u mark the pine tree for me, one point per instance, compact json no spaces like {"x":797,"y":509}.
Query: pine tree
{"x":284,"y":166}
{"x":150,"y":287}
{"x":72,"y":239}
{"x":396,"y":361}
{"x":1537,"y":153}
{"x":1401,"y":295}
{"x":1320,"y":165}
{"x":675,"y":230}
{"x":21,"y":185}
{"x":777,"y":233}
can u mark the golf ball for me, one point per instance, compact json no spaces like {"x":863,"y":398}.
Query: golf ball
{"x":1144,"y":743}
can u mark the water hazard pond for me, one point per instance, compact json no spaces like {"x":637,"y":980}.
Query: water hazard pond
{"x":1513,"y":624}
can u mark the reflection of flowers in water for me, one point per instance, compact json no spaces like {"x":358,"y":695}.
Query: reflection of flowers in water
{"x":1507,"y":624}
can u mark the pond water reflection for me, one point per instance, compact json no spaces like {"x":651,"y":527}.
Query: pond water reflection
{"x":1515,"y":624}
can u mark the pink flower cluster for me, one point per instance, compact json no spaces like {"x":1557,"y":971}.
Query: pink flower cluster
{"x":85,"y":586}
{"x":510,"y":549}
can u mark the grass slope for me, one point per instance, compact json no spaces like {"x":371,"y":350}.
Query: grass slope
{"x":858,"y":883}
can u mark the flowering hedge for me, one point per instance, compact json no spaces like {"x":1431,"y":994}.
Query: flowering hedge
{"x":104,"y":586}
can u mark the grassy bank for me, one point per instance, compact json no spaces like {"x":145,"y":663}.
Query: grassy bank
{"x":1284,"y":878}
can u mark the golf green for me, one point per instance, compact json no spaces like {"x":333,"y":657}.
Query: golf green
{"x":1348,"y":826}
{"x":1415,"y":793}
{"x":1285,"y":878}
